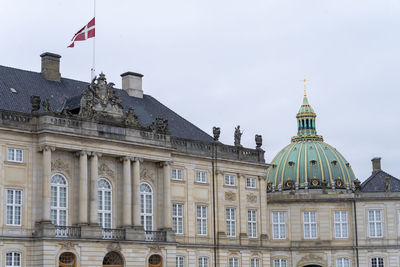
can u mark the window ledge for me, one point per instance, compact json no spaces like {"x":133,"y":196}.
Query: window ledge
{"x":15,"y":163}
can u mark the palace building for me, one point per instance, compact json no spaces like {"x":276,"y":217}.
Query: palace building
{"x":91,"y":175}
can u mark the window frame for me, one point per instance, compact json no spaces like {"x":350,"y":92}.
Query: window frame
{"x":375,"y":222}
{"x":341,"y":223}
{"x":102,"y":192}
{"x":14,"y":154}
{"x":14,"y":206}
{"x":143,"y":200}
{"x":199,"y":178}
{"x":340,"y":262}
{"x":177,"y":174}
{"x":281,"y":262}
{"x":58,"y":208}
{"x":278,"y":224}
{"x":230,"y":180}
{"x":377,"y":261}
{"x":230,"y":222}
{"x":249,"y":185}
{"x":176,"y":218}
{"x":309,"y":224}
{"x":252,"y":227}
{"x":202,"y":220}
{"x":180,"y":261}
{"x":255,"y":262}
{"x":202,"y":261}
{"x":234,"y":262}
{"x":13,"y":259}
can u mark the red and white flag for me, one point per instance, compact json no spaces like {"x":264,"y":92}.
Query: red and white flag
{"x":86,"y":32}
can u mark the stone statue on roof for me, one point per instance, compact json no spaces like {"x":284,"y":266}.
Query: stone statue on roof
{"x":238,"y":136}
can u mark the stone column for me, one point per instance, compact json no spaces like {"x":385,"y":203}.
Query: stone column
{"x":263,"y":208}
{"x":221,"y":200}
{"x":93,"y":187}
{"x":83,"y":187}
{"x":46,"y":182}
{"x":167,"y":195}
{"x":127,"y":193}
{"x":136,"y":193}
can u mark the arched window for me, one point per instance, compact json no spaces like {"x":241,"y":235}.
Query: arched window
{"x":155,"y":261}
{"x":104,"y":203}
{"x":307,"y":125}
{"x":113,"y":259}
{"x":59,"y":199}
{"x":146,"y":206}
{"x":302,"y":124}
{"x":67,"y":259}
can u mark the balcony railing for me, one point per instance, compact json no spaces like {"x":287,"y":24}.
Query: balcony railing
{"x":68,"y":231}
{"x":156,"y":236}
{"x":116,"y":234}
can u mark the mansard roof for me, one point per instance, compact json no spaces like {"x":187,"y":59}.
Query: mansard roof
{"x":17,"y":86}
{"x":376,"y":183}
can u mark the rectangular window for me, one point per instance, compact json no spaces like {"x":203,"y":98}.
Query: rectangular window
{"x":180,"y":261}
{"x":13,"y":259}
{"x":201,"y":177}
{"x":230,"y":222}
{"x":251,"y":182}
{"x":342,"y":262}
{"x":279,"y":225}
{"x":233,"y":262}
{"x":202,"y":220}
{"x":177,"y":174}
{"x":15,"y":155}
{"x":203,"y":262}
{"x":230,"y":180}
{"x":377,"y":262}
{"x":252,"y":223}
{"x":280,"y":263}
{"x":14,"y":206}
{"x":310,"y":224}
{"x":255,"y":262}
{"x":177,"y":218}
{"x":375,"y":223}
{"x":341,"y":229}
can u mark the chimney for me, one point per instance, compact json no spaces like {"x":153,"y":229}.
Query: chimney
{"x":51,"y":66}
{"x":132,"y":83}
{"x":376,"y":164}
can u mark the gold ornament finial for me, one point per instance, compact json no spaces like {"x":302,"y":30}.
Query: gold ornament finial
{"x":304,"y":81}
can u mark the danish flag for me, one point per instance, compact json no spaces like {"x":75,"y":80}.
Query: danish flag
{"x":88,"y":31}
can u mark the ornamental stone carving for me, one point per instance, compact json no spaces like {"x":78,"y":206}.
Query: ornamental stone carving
{"x":146,"y":174}
{"x":114,"y":246}
{"x":161,"y":126}
{"x":67,"y":245}
{"x":105,"y":171}
{"x":131,"y":119}
{"x":237,"y":136}
{"x":47,"y":106}
{"x":100,"y":101}
{"x":230,"y":196}
{"x":216,"y":133}
{"x":251,"y":198}
{"x":59,"y":165}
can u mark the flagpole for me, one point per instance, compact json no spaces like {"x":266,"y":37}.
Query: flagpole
{"x":93,"y":72}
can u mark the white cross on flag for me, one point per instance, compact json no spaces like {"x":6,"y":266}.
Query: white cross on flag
{"x":86,"y":32}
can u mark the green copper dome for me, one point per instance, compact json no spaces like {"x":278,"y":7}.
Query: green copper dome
{"x":308,"y":162}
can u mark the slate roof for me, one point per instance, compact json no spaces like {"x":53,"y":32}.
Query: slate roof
{"x":28,"y":83}
{"x":376,"y":183}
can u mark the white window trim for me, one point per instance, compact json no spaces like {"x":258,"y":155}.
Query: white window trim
{"x":377,"y":258}
{"x":13,"y":254}
{"x":104,"y":211}
{"x":179,"y":176}
{"x":58,"y":208}
{"x":198,"y":172}
{"x":343,"y":224}
{"x":255,"y":262}
{"x":14,"y":150}
{"x":309,"y":224}
{"x":202,"y":261}
{"x":340,"y":261}
{"x":279,"y":262}
{"x":180,"y":263}
{"x":231,"y":181}
{"x":14,"y":206}
{"x":234,"y":262}
{"x":375,"y":222}
{"x":177,"y":217}
{"x":231,"y":222}
{"x":251,"y":186}
{"x":202,"y":220}
{"x":145,"y":214}
{"x":279,"y":223}
{"x":252,"y":224}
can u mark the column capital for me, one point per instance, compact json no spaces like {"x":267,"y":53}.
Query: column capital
{"x":94,"y":153}
{"x":241,"y":175}
{"x":164,"y":163}
{"x":219,"y":172}
{"x":46,"y":148}
{"x":82,"y":153}
{"x":262,"y":177}
{"x":126,"y":158}
{"x":139,"y":159}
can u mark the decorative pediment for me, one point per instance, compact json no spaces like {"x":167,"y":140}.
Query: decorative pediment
{"x":147,"y":174}
{"x":230,"y":196}
{"x":105,"y":171}
{"x":59,"y":165}
{"x":114,"y":246}
{"x":252,"y":198}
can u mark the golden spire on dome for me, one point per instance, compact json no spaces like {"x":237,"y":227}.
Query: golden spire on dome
{"x":304,"y":81}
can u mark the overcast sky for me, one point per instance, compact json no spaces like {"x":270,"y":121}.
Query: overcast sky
{"x":227,"y":62}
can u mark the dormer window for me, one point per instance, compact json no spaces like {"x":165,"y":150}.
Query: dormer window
{"x":313,"y":162}
{"x":291,"y":164}
{"x":334,"y":162}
